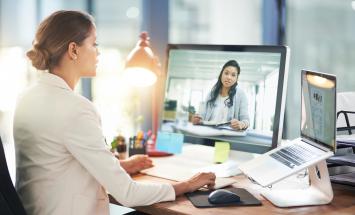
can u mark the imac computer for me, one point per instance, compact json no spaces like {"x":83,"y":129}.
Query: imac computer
{"x":192,"y":72}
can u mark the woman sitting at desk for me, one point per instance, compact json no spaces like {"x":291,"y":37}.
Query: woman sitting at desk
{"x":63,"y":165}
{"x":226,"y":102}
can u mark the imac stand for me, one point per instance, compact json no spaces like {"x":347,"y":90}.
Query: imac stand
{"x":319,"y":191}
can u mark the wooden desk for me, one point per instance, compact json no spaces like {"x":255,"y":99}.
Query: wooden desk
{"x":343,"y":203}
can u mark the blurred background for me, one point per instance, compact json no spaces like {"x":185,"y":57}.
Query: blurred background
{"x":320,"y":34}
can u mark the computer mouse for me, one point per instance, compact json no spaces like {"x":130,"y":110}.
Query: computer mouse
{"x":222,"y":196}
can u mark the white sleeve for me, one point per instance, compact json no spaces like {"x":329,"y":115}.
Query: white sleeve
{"x":243,"y":109}
{"x":204,"y":107}
{"x":85,"y":141}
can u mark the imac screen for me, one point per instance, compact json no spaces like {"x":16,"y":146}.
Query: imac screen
{"x":236,"y":92}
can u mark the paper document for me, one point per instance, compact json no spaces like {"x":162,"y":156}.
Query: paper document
{"x":181,"y":174}
{"x":209,"y":131}
{"x":178,"y":168}
{"x":212,"y":123}
{"x":226,"y":169}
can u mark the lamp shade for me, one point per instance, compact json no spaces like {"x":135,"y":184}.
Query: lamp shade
{"x":141,"y":64}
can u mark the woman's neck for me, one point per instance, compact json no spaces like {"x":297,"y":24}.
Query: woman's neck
{"x":224,"y":91}
{"x":68,"y":74}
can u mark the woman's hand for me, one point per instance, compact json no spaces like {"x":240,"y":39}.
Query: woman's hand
{"x":237,"y":125}
{"x":136,"y":163}
{"x":197,"y":181}
{"x":196,"y":119}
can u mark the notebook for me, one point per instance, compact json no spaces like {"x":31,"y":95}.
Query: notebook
{"x":317,"y":141}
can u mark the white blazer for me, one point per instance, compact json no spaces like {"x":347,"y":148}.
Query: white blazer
{"x":63,"y":165}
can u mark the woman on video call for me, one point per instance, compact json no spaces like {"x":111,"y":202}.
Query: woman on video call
{"x":63,"y":165}
{"x":226,"y":102}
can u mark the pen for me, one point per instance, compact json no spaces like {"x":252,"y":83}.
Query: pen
{"x":225,"y":123}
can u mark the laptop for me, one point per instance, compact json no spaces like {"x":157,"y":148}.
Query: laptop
{"x":317,"y":141}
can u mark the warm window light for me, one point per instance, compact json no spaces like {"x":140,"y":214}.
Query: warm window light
{"x":141,"y":64}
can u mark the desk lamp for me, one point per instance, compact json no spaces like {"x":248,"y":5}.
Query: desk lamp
{"x":142,"y":65}
{"x":142,"y":70}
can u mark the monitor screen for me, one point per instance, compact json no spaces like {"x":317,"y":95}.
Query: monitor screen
{"x":193,"y":72}
{"x":318,"y":108}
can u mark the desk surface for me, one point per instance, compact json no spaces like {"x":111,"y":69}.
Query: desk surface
{"x":343,"y":203}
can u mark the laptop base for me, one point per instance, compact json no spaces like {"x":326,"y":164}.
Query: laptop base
{"x":319,"y":192}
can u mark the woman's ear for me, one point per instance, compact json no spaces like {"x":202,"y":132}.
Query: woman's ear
{"x":73,"y":50}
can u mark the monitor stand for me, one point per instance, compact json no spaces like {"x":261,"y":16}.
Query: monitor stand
{"x":319,"y":192}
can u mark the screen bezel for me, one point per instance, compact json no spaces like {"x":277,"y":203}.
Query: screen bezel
{"x":329,"y":77}
{"x":282,"y":80}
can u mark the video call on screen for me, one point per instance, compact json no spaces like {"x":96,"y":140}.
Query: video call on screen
{"x":192,"y":74}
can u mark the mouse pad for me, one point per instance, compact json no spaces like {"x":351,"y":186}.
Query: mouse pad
{"x":200,"y":198}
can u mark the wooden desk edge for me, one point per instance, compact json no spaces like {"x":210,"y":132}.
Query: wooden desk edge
{"x":343,"y":202}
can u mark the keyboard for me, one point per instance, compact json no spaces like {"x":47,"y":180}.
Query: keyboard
{"x":294,"y":155}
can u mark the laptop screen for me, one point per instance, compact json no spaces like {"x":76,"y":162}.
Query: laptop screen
{"x":318,"y":108}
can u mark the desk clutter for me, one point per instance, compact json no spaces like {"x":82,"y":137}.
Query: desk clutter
{"x":138,"y":144}
{"x":119,"y":146}
{"x":164,"y":144}
{"x":170,"y":142}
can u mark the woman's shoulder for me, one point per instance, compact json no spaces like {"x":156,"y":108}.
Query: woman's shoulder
{"x":81,"y":109}
{"x":239,"y":90}
{"x":82,"y":101}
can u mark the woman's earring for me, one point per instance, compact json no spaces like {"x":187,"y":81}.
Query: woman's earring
{"x":74,"y":58}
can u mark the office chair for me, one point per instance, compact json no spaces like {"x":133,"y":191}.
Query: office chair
{"x":10,"y":203}
{"x":346,"y":112}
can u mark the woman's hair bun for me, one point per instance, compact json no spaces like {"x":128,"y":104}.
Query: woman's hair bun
{"x":39,"y":57}
{"x":55,"y":33}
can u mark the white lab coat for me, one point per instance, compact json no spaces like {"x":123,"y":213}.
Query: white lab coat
{"x":63,"y":165}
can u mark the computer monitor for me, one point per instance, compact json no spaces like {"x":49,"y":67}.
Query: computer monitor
{"x":192,"y":70}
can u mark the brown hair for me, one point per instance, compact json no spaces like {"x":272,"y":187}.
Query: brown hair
{"x":54,"y":35}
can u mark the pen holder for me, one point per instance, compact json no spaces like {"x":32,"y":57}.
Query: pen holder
{"x":137,"y":146}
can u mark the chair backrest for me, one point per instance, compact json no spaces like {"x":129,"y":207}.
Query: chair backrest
{"x":345,"y":103}
{"x":10,"y":203}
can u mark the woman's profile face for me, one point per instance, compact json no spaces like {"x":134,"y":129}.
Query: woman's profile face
{"x":229,"y":76}
{"x":87,"y":55}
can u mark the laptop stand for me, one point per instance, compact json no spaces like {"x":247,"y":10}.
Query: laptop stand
{"x":319,"y":192}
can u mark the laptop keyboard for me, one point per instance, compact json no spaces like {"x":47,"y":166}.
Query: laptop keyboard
{"x":294,"y":155}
